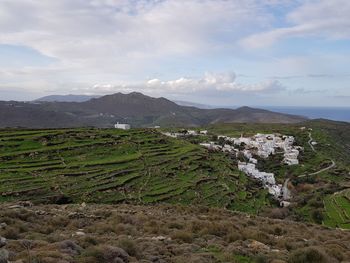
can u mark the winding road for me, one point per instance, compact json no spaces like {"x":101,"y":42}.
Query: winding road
{"x":323,"y":169}
{"x":310,"y":142}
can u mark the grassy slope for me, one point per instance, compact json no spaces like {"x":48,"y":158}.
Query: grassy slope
{"x":113,"y":166}
{"x":142,"y":166}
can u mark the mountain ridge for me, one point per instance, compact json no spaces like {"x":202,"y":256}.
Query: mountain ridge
{"x":134,"y":108}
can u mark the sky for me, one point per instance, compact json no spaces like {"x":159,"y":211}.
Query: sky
{"x":216,"y":52}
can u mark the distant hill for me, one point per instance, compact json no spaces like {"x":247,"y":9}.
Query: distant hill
{"x":193,"y":104}
{"x":66,"y":98}
{"x":135,"y":108}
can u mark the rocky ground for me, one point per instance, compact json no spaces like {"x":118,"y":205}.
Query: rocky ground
{"x":163,"y":233}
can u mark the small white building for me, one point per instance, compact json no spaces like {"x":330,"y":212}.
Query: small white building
{"x":204,"y":132}
{"x":291,"y":161}
{"x":122,"y":126}
{"x":191,"y":132}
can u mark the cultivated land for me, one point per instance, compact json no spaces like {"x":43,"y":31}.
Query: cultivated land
{"x":107,"y":195}
{"x":321,"y":173}
{"x":113,"y":166}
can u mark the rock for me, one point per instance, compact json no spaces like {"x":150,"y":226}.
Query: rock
{"x":3,"y":242}
{"x":15,"y":206}
{"x":258,"y":246}
{"x":76,"y":215}
{"x":40,"y":212}
{"x":79,"y":233}
{"x":160,"y":238}
{"x":4,"y":255}
{"x":3,"y":225}
{"x":26,"y":203}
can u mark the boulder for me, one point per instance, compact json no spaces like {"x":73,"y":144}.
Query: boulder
{"x":258,"y":246}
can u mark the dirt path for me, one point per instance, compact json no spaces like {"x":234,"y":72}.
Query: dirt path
{"x":309,"y":142}
{"x":322,"y":170}
{"x":286,"y":193}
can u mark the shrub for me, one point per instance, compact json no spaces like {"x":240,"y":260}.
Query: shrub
{"x":216,"y":229}
{"x":175,"y":225}
{"x":129,"y":246}
{"x":106,"y":254}
{"x":70,"y":247}
{"x":233,"y":236}
{"x":260,"y":259}
{"x":182,"y":236}
{"x":317,"y":216}
{"x":11,"y":233}
{"x":308,"y":255}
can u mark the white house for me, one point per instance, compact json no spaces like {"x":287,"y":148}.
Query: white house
{"x":122,"y":126}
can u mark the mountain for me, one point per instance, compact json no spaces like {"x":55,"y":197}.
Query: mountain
{"x":66,"y":98}
{"x":135,"y":108}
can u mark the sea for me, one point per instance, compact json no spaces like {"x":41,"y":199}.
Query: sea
{"x":331,"y":113}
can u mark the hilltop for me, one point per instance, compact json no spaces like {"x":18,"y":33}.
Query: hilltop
{"x":135,"y":108}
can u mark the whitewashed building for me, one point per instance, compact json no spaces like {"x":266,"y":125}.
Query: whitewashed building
{"x":122,"y":126}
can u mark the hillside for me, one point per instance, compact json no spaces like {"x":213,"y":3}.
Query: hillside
{"x":143,"y":166}
{"x":162,"y":233}
{"x":107,"y":195}
{"x":114,"y":166}
{"x":319,"y":194}
{"x":134,"y":108}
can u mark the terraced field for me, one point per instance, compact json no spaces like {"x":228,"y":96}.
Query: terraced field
{"x":114,"y":166}
{"x":338,"y":210}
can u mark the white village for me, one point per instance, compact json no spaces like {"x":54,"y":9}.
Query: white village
{"x":261,"y":145}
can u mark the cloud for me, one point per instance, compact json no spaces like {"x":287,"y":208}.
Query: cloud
{"x":312,"y":76}
{"x":109,"y":32}
{"x":219,"y":82}
{"x":323,"y":18}
{"x":304,"y":91}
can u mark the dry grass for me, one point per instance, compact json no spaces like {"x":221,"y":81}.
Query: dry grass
{"x":164,"y":233}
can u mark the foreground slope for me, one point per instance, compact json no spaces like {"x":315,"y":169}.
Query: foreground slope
{"x":164,"y":233}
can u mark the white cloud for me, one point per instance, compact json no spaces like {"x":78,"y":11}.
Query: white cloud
{"x":107,"y":32}
{"x":218,"y":82}
{"x":323,"y":18}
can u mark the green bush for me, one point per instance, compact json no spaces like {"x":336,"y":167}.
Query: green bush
{"x":308,"y":255}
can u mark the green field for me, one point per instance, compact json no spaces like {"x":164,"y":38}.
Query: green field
{"x":142,"y":166}
{"x":114,"y":166}
{"x":338,"y":210}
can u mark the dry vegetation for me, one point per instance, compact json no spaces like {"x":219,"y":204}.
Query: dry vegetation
{"x":162,"y":233}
